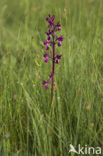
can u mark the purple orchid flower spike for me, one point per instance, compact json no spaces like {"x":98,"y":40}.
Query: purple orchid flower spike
{"x":50,"y":43}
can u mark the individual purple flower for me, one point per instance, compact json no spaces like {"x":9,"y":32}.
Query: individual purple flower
{"x":46,"y":57}
{"x":58,"y":57}
{"x":59,"y":43}
{"x":49,"y":37}
{"x":58,"y":26}
{"x":47,"y":19}
{"x":53,"y":18}
{"x":48,"y":33}
{"x":45,"y":84}
{"x":47,"y":47}
{"x":60,"y":38}
{"x":50,"y":25}
{"x":47,"y":44}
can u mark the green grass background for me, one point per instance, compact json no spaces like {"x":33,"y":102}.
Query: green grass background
{"x":29,"y":126}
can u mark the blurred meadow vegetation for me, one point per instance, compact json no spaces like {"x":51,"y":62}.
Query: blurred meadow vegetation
{"x":29,"y":126}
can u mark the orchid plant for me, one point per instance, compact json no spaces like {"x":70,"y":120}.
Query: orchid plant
{"x":50,"y":43}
